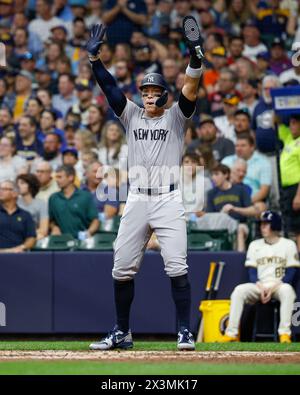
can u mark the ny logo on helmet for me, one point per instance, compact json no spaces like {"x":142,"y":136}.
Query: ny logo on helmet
{"x":150,"y":79}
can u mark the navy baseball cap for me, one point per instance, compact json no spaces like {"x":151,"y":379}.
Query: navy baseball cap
{"x":70,"y":150}
{"x":263,"y":55}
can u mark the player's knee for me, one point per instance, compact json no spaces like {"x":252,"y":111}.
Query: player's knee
{"x":238,"y":292}
{"x":287,"y":290}
{"x":180,"y":281}
{"x":123,"y":274}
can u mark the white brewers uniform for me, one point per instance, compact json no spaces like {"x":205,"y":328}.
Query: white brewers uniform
{"x":270,"y":260}
{"x":155,"y":146}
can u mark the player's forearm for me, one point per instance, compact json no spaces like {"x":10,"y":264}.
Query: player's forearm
{"x":107,"y":83}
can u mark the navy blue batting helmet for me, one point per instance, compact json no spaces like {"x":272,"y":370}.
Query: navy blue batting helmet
{"x":273,"y":218}
{"x":154,"y":79}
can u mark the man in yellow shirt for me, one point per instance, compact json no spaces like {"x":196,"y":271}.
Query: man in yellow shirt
{"x":290,"y":174}
{"x":23,"y":92}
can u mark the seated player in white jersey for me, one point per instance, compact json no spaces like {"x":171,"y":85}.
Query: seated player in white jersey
{"x":155,"y":138}
{"x":272,"y":262}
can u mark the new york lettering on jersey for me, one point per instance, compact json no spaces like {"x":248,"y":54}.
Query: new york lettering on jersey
{"x":151,"y":134}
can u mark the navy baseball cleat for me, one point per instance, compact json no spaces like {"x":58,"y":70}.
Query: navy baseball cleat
{"x":114,"y":339}
{"x":185,"y":340}
{"x":193,"y":36}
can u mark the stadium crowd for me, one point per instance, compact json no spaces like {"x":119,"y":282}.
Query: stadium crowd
{"x":59,"y":140}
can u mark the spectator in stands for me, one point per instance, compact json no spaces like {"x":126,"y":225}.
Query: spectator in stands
{"x":95,"y":120}
{"x":46,"y":98}
{"x":124,"y":77}
{"x":226,"y":85}
{"x":23,"y":92}
{"x":170,"y":70}
{"x":6,"y":101}
{"x":290,"y":174}
{"x":28,"y":185}
{"x":237,"y":15}
{"x":262,"y":120}
{"x":95,"y":13}
{"x":244,"y":69}
{"x":225,"y":123}
{"x":224,"y":196}
{"x":263,"y":65}
{"x":241,"y":122}
{"x":112,"y":148}
{"x":259,"y":171}
{"x":84,"y":90}
{"x":249,"y":94}
{"x":34,"y":109}
{"x":290,"y":74}
{"x":122,"y":19}
{"x":236,"y":48}
{"x":181,"y":9}
{"x":47,"y":125}
{"x":71,"y":210}
{"x":17,"y":230}
{"x":208,"y":134}
{"x":52,"y":150}
{"x":66,"y":97}
{"x":211,"y":76}
{"x":45,"y":21}
{"x":279,"y":62}
{"x":194,"y":185}
{"x":62,"y":10}
{"x":158,"y":16}
{"x":7,"y":127}
{"x":265,"y":133}
{"x":253,"y":45}
{"x":271,"y":19}
{"x":28,"y":145}
{"x":104,"y":185}
{"x":106,"y":56}
{"x":10,"y":164}
{"x":48,"y":185}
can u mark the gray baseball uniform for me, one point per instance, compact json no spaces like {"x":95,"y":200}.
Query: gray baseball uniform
{"x":155,"y":147}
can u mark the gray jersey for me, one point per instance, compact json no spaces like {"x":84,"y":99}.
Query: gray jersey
{"x":155,"y":145}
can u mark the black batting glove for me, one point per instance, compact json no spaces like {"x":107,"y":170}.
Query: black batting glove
{"x":96,"y":39}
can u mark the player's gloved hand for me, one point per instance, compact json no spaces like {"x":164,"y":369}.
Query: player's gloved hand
{"x":96,"y":39}
{"x":192,"y":36}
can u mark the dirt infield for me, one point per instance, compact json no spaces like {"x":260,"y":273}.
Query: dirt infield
{"x":156,"y":356}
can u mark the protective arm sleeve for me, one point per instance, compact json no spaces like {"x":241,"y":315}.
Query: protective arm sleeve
{"x":116,"y":98}
{"x":252,"y":272}
{"x":186,"y":106}
{"x":289,"y":276}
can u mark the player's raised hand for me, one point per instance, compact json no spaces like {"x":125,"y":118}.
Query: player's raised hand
{"x":96,"y":39}
{"x":192,"y":36}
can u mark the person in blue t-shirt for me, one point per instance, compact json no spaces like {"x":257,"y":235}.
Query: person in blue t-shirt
{"x":231,"y":199}
{"x":122,"y":17}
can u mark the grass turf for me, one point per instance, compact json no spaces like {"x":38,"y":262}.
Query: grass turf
{"x":147,"y":346}
{"x":136,"y":368}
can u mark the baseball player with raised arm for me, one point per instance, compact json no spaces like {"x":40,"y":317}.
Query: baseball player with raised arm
{"x":155,"y":138}
{"x":272,"y":263}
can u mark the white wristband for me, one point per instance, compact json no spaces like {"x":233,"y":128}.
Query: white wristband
{"x":194,"y":73}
